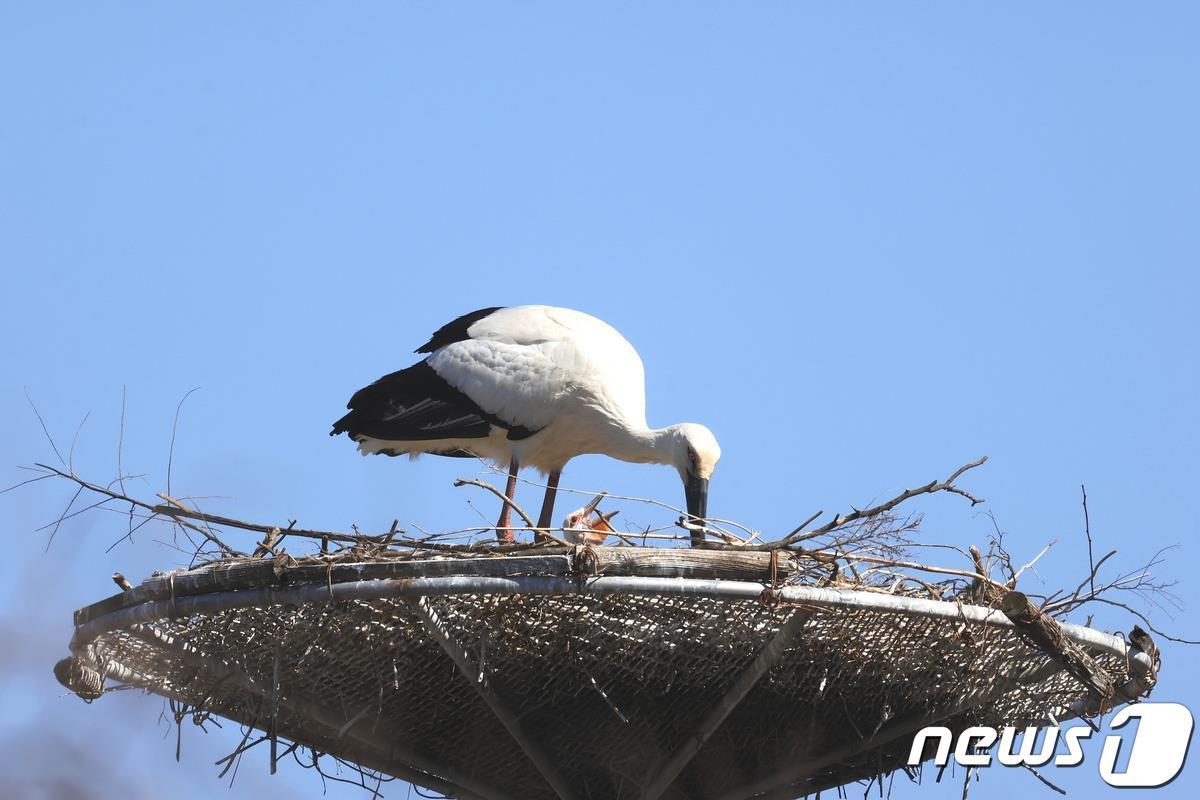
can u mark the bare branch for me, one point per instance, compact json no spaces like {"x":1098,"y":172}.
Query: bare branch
{"x":121,"y":443}
{"x":1143,"y":618}
{"x":1018,"y":573}
{"x":75,"y":441}
{"x":929,"y":488}
{"x":1044,"y":780}
{"x":1074,"y":599}
{"x":174,"y":430}
{"x":24,"y":482}
{"x":504,"y":498}
{"x":1087,"y":529}
{"x":45,"y":430}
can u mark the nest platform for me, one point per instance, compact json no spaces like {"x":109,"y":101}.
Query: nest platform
{"x":586,"y":672}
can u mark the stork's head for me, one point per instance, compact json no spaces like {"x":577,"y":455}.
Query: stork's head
{"x":696,"y":453}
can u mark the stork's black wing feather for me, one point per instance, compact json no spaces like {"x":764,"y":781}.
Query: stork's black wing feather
{"x":455,"y":331}
{"x":412,"y":405}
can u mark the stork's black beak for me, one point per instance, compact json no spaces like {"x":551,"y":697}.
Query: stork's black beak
{"x":695,"y":489}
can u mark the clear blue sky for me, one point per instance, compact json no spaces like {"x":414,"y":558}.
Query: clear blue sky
{"x":864,"y":243}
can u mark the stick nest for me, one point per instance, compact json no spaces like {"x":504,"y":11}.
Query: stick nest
{"x":401,"y":655}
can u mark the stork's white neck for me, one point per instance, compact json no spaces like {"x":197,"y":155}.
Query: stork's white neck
{"x":643,"y":445}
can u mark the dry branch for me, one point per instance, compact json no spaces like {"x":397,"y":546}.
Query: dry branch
{"x":503,"y":497}
{"x":1046,"y":634}
{"x":856,"y":515}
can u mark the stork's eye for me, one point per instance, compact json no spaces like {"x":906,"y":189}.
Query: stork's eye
{"x":692,"y":456}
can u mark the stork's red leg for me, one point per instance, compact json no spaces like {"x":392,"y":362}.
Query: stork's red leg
{"x":548,"y":503}
{"x":503,"y":526}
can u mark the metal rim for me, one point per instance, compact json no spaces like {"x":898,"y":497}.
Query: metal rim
{"x":808,"y":599}
{"x":149,"y":611}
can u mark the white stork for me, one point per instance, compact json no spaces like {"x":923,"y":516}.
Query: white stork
{"x":528,"y":386}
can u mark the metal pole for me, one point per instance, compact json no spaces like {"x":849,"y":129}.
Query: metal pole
{"x":533,"y":751}
{"x":766,"y":658}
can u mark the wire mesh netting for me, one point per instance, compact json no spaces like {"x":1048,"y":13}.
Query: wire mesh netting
{"x":608,"y":685}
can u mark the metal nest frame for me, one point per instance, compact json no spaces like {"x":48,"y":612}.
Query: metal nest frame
{"x":590,"y":672}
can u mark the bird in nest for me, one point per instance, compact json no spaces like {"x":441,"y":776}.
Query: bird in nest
{"x":528,"y":386}
{"x":587,"y":525}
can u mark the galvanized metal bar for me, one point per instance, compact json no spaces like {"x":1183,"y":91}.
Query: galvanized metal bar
{"x":766,"y":658}
{"x":508,"y":718}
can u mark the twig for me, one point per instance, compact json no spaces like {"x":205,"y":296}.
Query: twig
{"x":1091,"y":578}
{"x":1087,"y":529}
{"x":1143,"y":618}
{"x":729,"y":538}
{"x":159,"y":510}
{"x":1044,"y":780}
{"x":174,"y":428}
{"x":237,"y":751}
{"x":62,"y":517}
{"x":180,"y":515}
{"x":207,"y":532}
{"x":22,"y":483}
{"x":507,"y":501}
{"x":799,"y":528}
{"x":172,"y":501}
{"x":1018,"y":573}
{"x":45,"y":430}
{"x":66,"y":516}
{"x":827,"y":555}
{"x":839,"y":521}
{"x":75,"y":441}
{"x":121,"y":443}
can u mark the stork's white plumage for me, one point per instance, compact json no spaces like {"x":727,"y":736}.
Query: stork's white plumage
{"x":530,"y":386}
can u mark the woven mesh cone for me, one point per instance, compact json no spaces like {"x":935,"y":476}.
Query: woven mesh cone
{"x":609,"y":678}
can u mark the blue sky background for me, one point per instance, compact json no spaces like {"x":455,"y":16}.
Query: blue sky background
{"x":864,"y":243}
